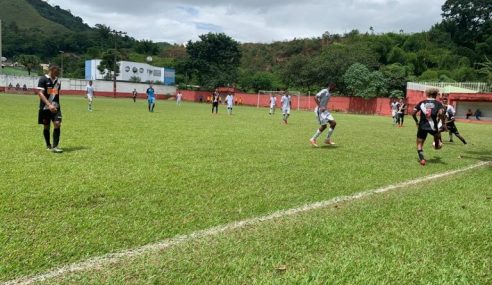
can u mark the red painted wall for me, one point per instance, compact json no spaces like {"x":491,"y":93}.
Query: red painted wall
{"x":380,"y":106}
{"x":414,"y":96}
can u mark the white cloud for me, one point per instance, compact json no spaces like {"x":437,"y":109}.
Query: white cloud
{"x":254,"y":20}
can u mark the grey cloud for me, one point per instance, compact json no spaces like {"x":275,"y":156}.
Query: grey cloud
{"x":255,"y":20}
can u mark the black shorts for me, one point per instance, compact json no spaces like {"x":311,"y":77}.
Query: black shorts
{"x":46,"y":116}
{"x":452,"y":128}
{"x":422,"y":134}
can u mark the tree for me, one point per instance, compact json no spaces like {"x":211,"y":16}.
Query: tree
{"x":214,"y":59}
{"x":29,"y":62}
{"x":108,"y":65}
{"x":486,"y":69}
{"x":147,"y":47}
{"x":361,"y":82}
{"x":469,"y":20}
{"x":396,"y":76}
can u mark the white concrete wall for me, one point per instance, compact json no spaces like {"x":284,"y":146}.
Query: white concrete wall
{"x":463,"y":106}
{"x":80,"y":84}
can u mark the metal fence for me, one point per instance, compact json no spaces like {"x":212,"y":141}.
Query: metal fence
{"x":479,"y":87}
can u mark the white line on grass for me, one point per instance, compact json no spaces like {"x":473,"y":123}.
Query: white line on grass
{"x":111,"y":258}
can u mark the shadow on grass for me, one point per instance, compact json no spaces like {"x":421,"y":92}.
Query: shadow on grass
{"x":436,"y":160}
{"x":75,"y":148}
{"x":480,"y":155}
{"x":330,"y":146}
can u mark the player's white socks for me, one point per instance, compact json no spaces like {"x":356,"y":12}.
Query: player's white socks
{"x":316,"y":135}
{"x":330,"y":132}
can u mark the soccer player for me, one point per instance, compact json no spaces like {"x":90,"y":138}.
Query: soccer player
{"x":432,"y":113}
{"x":286,"y":103}
{"x":230,"y":102}
{"x":324,"y":116}
{"x":90,"y":94}
{"x":151,"y":98}
{"x":179,"y":97}
{"x":273,"y":104}
{"x":394,"y":110}
{"x":450,"y":119}
{"x":400,"y":115}
{"x":215,"y":102}
{"x":134,"y":95}
{"x":48,"y":91}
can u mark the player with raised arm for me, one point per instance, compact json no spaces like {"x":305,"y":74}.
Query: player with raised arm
{"x":324,"y":116}
{"x":286,"y":102}
{"x":432,"y":114}
{"x":48,"y":91}
{"x":273,"y":104}
{"x":90,"y":95}
{"x":450,"y":119}
{"x":151,"y":98}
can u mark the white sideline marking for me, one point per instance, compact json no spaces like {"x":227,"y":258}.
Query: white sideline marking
{"x":111,"y":258}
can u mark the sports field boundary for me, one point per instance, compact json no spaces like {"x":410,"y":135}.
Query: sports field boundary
{"x":112,"y":258}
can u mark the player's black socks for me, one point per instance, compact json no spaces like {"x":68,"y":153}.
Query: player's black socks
{"x":56,"y":136}
{"x":46,"y":134}
{"x":421,"y":154}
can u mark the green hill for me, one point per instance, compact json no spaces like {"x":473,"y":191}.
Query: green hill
{"x":25,"y":16}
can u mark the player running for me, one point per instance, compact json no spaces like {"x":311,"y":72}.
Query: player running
{"x":273,"y":104}
{"x":230,"y":103}
{"x":48,"y":91}
{"x":151,"y":98}
{"x":400,"y":115}
{"x":90,"y":94}
{"x":134,"y":95}
{"x":324,"y":116}
{"x":450,"y":119}
{"x":286,"y":103}
{"x":432,"y":113}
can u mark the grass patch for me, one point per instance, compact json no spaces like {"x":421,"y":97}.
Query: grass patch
{"x":437,"y":233}
{"x":129,"y":177}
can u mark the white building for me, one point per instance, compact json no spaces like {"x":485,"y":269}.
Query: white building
{"x":132,"y":71}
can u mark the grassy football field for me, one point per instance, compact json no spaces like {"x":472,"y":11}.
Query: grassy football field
{"x":129,"y":178}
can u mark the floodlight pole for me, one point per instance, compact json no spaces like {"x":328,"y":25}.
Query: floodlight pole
{"x":62,"y":70}
{"x":116,"y":34}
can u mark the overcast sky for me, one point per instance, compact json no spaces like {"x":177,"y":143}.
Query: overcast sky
{"x":254,"y":20}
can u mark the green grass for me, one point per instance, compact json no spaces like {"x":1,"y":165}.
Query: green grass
{"x":26,"y":17}
{"x":129,"y":177}
{"x":438,"y":233}
{"x":16,"y":72}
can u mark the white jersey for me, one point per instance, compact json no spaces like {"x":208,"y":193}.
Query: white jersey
{"x":323,"y":97}
{"x":273,"y":102}
{"x":230,"y":100}
{"x":285,"y":101}
{"x":179,"y":96}
{"x":90,"y":91}
{"x":394,"y":106}
{"x":450,"y":112}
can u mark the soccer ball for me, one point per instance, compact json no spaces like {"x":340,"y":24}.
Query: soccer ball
{"x":438,"y":146}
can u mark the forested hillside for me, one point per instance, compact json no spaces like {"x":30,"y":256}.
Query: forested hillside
{"x":458,"y":48}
